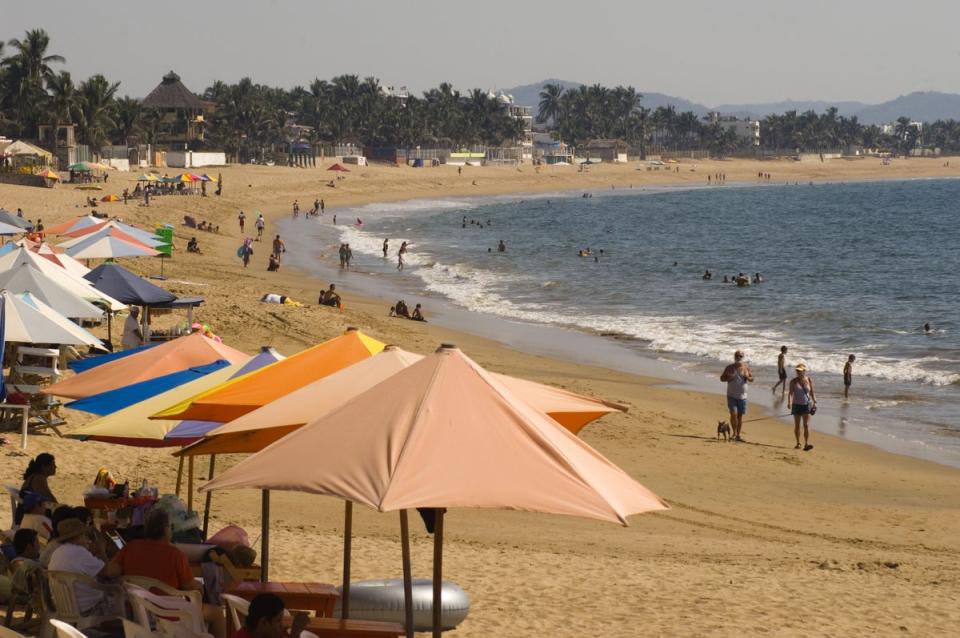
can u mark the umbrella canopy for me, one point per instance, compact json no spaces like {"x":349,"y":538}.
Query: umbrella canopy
{"x":9,"y":218}
{"x":111,"y":246}
{"x":78,"y":285}
{"x":114,"y":400}
{"x":256,"y":430}
{"x":82,"y":167}
{"x":60,"y":258}
{"x":339,"y":167}
{"x":10,"y":229}
{"x":49,"y":174}
{"x":132,"y":425}
{"x":178,"y":354}
{"x":88,"y":363}
{"x":29,"y":320}
{"x":76,"y":223}
{"x":121,"y":284}
{"x":139,"y":234}
{"x":444,"y":433}
{"x":148,"y":177}
{"x":25,"y":278}
{"x":239,"y":396}
{"x":110,"y":198}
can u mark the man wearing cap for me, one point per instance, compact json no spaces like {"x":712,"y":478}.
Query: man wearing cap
{"x":737,"y":375}
{"x":75,"y":555}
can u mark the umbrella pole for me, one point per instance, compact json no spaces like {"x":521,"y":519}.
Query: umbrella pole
{"x":206,"y":505}
{"x":190,"y":484}
{"x":264,"y":535}
{"x":437,"y":572}
{"x":179,"y":476}
{"x":407,"y":577}
{"x":347,"y":546}
{"x":110,"y":332}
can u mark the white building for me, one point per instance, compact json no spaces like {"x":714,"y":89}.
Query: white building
{"x":746,"y":129}
{"x":525,"y":115}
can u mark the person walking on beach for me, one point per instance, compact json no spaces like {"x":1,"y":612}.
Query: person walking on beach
{"x":802,"y":403}
{"x":241,"y":218}
{"x":246,"y":251}
{"x":348,"y":255}
{"x":848,"y":375}
{"x":322,"y":206}
{"x":342,"y":252}
{"x":781,"y":372}
{"x":737,"y":375}
{"x":278,"y":247}
{"x":386,"y":247}
{"x":260,"y":224}
{"x":400,"y":254}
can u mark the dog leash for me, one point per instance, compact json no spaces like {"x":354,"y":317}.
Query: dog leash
{"x":764,"y":418}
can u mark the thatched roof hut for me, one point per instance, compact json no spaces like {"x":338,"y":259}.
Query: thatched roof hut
{"x":172,"y":94}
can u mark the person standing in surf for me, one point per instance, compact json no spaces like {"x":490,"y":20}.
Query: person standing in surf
{"x":802,"y":403}
{"x":400,"y":254}
{"x":848,"y":376}
{"x":781,"y":372}
{"x":386,"y":247}
{"x":737,"y":375}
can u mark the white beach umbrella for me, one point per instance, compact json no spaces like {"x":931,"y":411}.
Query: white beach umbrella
{"x":63,"y":260}
{"x":26,"y":278}
{"x":109,"y":247}
{"x":29,"y":320}
{"x":114,"y":231}
{"x":9,"y":229}
{"x":78,"y":285}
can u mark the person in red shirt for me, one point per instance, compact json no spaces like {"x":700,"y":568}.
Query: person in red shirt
{"x":265,"y":620}
{"x":154,"y":556}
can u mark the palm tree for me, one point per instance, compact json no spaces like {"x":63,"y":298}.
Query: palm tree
{"x":64,"y":103}
{"x":25,"y":76}
{"x":549,"y":108}
{"x":128,"y":118}
{"x":98,"y":110}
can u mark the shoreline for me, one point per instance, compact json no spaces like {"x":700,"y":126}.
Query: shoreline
{"x":570,"y":342}
{"x":758,"y":533}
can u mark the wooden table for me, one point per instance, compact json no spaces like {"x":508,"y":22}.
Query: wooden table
{"x":319,"y":598}
{"x":338,"y":628}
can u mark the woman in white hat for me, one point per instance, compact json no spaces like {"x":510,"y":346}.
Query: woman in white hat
{"x":802,"y":403}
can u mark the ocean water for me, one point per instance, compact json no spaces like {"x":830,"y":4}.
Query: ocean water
{"x":853,"y":268}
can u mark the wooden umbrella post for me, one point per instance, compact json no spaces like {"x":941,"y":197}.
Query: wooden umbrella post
{"x":179,"y":476}
{"x":206,"y":505}
{"x":407,"y":576}
{"x":347,"y":547}
{"x":190,"y":484}
{"x":438,"y":572}
{"x":264,"y":535}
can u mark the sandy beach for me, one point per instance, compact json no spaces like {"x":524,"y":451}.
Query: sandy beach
{"x":761,"y":539}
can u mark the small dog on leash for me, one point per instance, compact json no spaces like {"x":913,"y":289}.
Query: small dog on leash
{"x":723,"y":430}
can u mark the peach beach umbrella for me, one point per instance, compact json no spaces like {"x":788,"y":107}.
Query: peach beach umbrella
{"x":173,"y":356}
{"x":256,"y":430}
{"x":76,"y":223}
{"x":239,"y":396}
{"x":442,"y":433}
{"x":110,"y":246}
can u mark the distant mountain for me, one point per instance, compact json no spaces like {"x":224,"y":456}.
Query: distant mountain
{"x":924,"y":106}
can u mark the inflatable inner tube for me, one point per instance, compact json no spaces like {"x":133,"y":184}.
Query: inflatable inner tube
{"x":383,"y":600}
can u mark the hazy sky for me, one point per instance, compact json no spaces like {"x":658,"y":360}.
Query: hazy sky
{"x":708,"y":51}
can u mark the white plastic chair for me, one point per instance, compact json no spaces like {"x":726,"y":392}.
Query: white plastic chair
{"x":64,"y":597}
{"x":135,"y":630}
{"x":66,"y":631}
{"x":174,"y":616}
{"x":237,"y":608}
{"x":153,"y":585}
{"x":6,"y":632}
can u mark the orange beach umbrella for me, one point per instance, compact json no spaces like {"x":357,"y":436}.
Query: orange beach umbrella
{"x":236,"y":397}
{"x":443,"y":433}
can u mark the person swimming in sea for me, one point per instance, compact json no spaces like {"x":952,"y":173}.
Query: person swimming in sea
{"x":927,"y":329}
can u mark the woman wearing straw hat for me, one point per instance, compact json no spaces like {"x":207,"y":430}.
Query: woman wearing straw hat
{"x":802,"y":403}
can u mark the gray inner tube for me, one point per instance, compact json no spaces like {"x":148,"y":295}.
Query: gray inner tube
{"x":383,"y":600}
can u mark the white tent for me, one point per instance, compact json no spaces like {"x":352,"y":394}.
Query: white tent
{"x":78,"y":285}
{"x":29,"y":320}
{"x":26,"y":278}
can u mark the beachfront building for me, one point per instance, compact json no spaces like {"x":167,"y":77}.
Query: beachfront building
{"x":604,"y":151}
{"x":181,"y":122}
{"x":521,"y":149}
{"x":61,"y":140}
{"x":746,"y":129}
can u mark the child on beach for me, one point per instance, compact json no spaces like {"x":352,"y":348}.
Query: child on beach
{"x":781,"y":371}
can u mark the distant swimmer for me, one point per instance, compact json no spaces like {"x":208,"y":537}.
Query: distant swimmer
{"x":359,"y":222}
{"x":501,"y":247}
{"x":386,"y":247}
{"x":757,"y":279}
{"x":707,"y":275}
{"x":742,"y":280}
{"x":927,"y":329}
{"x":726,"y":280}
{"x":848,"y":375}
{"x":585,"y":253}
